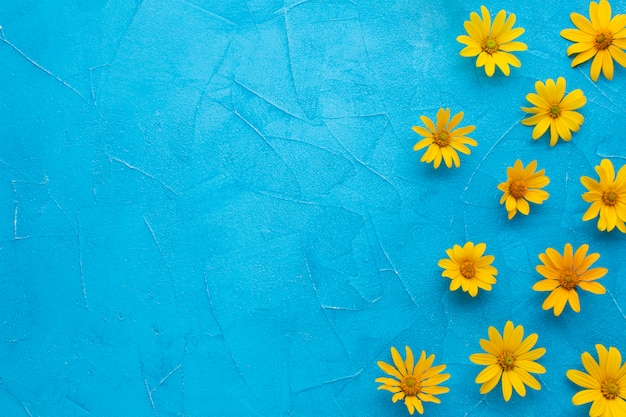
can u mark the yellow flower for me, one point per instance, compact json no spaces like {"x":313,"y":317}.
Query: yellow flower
{"x":564,"y":273}
{"x":492,"y":43}
{"x":414,"y":383}
{"x":443,"y":140}
{"x":554,"y":111}
{"x":523,"y":185}
{"x":509,"y":357}
{"x":602,"y":38}
{"x":468,"y":268}
{"x":607,"y":197}
{"x":604,"y":383}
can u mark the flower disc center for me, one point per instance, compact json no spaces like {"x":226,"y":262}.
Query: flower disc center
{"x":555,"y":111}
{"x":568,"y":280}
{"x":491,"y":46}
{"x":467,"y":269}
{"x":603,"y":40}
{"x":507,"y":361}
{"x":518,"y":188}
{"x":442,"y":138}
{"x":609,"y":198}
{"x":410,"y":386}
{"x":610,"y":390}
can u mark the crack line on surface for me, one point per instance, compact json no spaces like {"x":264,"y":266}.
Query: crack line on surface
{"x":386,"y":255}
{"x":162,"y":381}
{"x":616,"y":304}
{"x":149,"y":392}
{"x":251,"y":91}
{"x":40,"y":67}
{"x":161,"y":253}
{"x":209,"y":12}
{"x":221,"y":330}
{"x":484,"y":158}
{"x":152,"y":177}
{"x":18,"y":400}
{"x":317,"y":296}
{"x":80,"y":265}
{"x":601,"y":91}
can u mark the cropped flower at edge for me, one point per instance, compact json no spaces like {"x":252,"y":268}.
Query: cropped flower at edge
{"x":468,"y":268}
{"x":554,"y":110}
{"x":511,"y":358}
{"x":523,"y":185}
{"x":564,"y":273}
{"x":444,"y":139}
{"x":412,"y":383}
{"x":604,"y":383}
{"x":607,"y":197}
{"x":492,"y":43}
{"x":601,"y":37}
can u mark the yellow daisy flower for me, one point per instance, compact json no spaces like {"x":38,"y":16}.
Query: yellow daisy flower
{"x":523,"y":185}
{"x":607,"y":197}
{"x":604,"y":383}
{"x":443,"y":140}
{"x":601,"y":37}
{"x":563,"y":274}
{"x":555,"y":110}
{"x":492,"y":43}
{"x":416,"y":383}
{"x":468,"y":268}
{"x":509,"y":357}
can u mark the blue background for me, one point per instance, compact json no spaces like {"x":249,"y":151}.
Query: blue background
{"x":212,"y":208}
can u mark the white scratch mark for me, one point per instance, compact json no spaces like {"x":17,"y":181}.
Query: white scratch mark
{"x":310,"y":275}
{"x":251,"y":91}
{"x":162,"y":381}
{"x":39,"y":66}
{"x":482,"y":400}
{"x":161,"y":253}
{"x":80,"y":265}
{"x":152,"y":177}
{"x":393,"y":268}
{"x":484,"y":158}
{"x":210,"y":13}
{"x":219,"y":326}
{"x":616,"y":305}
{"x":149,"y":391}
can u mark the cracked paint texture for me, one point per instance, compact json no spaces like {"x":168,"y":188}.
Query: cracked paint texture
{"x":213,"y":208}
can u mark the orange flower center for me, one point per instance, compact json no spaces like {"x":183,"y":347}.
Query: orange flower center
{"x":491,"y":46}
{"x":506,"y":361}
{"x":467,"y":269}
{"x":555,"y":111}
{"x":610,"y":390}
{"x":442,"y":138}
{"x":518,"y":188}
{"x":603,"y":40}
{"x":568,"y":280}
{"x":609,"y":198}
{"x":410,"y":385}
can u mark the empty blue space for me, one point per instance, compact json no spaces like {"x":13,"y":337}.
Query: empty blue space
{"x":213,"y":208}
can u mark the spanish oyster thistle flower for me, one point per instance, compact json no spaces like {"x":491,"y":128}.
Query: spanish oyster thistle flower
{"x":414,"y":382}
{"x":601,"y":37}
{"x":607,"y":197}
{"x":604,"y":383}
{"x":468,"y":268}
{"x":511,"y":358}
{"x":444,"y":139}
{"x":492,"y":43}
{"x":563,"y":274}
{"x":554,"y":110}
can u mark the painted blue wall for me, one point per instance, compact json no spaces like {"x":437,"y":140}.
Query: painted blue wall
{"x":212,"y":208}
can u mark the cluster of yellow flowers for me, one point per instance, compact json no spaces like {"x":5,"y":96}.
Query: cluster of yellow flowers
{"x":509,"y":357}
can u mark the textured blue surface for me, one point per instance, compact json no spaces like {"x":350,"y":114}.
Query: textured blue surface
{"x":212,"y":208}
